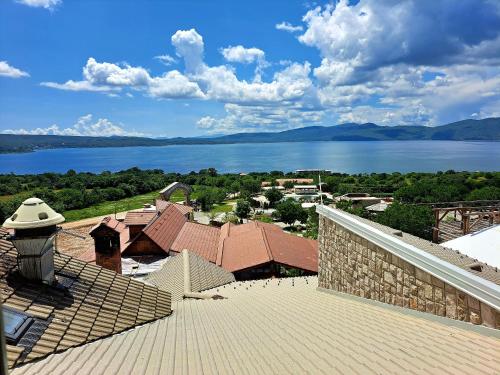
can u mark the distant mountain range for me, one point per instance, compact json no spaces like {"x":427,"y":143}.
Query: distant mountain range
{"x":467,"y":130}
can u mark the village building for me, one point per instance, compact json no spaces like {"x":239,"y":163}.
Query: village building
{"x":252,"y":250}
{"x":358,"y":200}
{"x":305,"y":189}
{"x":294,"y":181}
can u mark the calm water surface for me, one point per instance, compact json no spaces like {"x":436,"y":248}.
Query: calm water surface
{"x":348,"y":157}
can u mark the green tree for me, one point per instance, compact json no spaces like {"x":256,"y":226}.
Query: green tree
{"x":288,"y":185}
{"x":273,"y":196}
{"x":489,"y":193}
{"x":416,"y":220}
{"x":243,"y":209}
{"x":312,"y":224}
{"x":290,"y":211}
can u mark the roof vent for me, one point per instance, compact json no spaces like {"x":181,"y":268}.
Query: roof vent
{"x":476,"y":267}
{"x":34,"y":225}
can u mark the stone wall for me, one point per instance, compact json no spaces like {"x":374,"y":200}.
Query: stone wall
{"x":351,"y":264}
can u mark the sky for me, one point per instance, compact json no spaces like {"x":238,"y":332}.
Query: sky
{"x":196,"y":67}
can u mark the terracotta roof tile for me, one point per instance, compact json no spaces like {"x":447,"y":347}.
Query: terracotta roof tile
{"x":166,"y":227}
{"x":248,"y":245}
{"x":89,"y":303}
{"x":161,"y":205}
{"x":199,"y":239}
{"x":111,"y":223}
{"x":139,"y":217}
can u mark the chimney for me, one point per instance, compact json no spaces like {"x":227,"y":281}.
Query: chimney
{"x":34,"y":225}
{"x":106,"y":237}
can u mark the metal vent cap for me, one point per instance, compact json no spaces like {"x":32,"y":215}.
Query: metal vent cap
{"x":33,"y":213}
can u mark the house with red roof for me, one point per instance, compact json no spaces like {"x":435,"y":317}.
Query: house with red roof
{"x":250,"y":251}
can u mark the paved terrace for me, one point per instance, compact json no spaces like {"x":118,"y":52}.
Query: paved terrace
{"x":283,"y":326}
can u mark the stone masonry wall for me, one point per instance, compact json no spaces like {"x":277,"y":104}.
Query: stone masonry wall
{"x":350,"y":264}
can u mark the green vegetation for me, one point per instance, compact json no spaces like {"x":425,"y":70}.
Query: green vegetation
{"x":107,"y":208}
{"x":290,"y":211}
{"x":243,"y":209}
{"x":417,"y":220}
{"x":82,"y":195}
{"x":273,"y":196}
{"x":312,"y":224}
{"x":225,"y":207}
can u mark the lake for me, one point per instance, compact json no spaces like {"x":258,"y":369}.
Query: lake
{"x":347,"y":157}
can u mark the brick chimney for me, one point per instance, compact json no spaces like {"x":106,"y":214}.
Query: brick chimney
{"x":107,"y":244}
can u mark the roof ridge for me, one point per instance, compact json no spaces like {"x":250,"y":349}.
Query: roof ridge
{"x":266,"y":243}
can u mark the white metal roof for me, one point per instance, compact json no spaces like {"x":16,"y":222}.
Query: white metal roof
{"x":483,"y":245}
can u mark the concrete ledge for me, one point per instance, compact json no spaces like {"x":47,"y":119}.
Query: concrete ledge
{"x":477,"y":287}
{"x":491,"y":332}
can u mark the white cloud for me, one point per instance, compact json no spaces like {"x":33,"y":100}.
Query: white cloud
{"x":355,"y":40}
{"x":9,"y":71}
{"x":166,"y":60}
{"x":78,"y":86}
{"x":189,"y":45}
{"x":114,"y":75}
{"x":206,"y":122}
{"x":286,"y":26}
{"x":85,"y":126}
{"x":382,"y":61}
{"x":411,"y":115}
{"x":47,"y":4}
{"x":260,"y":118}
{"x":243,"y":55}
{"x":174,"y":85}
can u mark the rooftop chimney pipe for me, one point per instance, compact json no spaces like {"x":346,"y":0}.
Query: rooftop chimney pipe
{"x":34,"y":225}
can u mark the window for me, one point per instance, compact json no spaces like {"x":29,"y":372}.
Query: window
{"x":16,"y":323}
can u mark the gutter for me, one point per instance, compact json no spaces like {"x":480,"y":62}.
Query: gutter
{"x":187,"y":281}
{"x":475,"y":286}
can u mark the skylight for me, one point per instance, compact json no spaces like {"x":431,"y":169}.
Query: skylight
{"x":16,"y":322}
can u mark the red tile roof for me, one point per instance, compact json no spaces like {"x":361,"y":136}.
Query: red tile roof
{"x":166,"y":227}
{"x":161,"y":205}
{"x":248,"y":245}
{"x":139,"y":217}
{"x":199,"y":239}
{"x":111,"y":223}
{"x":292,"y":250}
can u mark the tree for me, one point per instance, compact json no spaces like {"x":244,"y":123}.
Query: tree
{"x":416,"y":220}
{"x":288,"y":184}
{"x":273,"y":195}
{"x":312,"y":224}
{"x":242,"y":209}
{"x":249,"y":186}
{"x":489,"y":193}
{"x":290,"y":211}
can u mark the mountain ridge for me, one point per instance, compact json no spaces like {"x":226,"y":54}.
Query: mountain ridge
{"x":487,"y":129}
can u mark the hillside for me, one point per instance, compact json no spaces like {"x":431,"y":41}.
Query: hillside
{"x":466,"y":130}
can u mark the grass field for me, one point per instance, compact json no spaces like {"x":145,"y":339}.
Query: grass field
{"x":110,"y":207}
{"x":107,"y":208}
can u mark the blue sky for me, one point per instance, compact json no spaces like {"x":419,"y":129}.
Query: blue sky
{"x":188,"y":68}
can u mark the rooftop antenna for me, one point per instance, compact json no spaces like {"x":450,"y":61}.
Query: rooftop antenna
{"x":320,"y":190}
